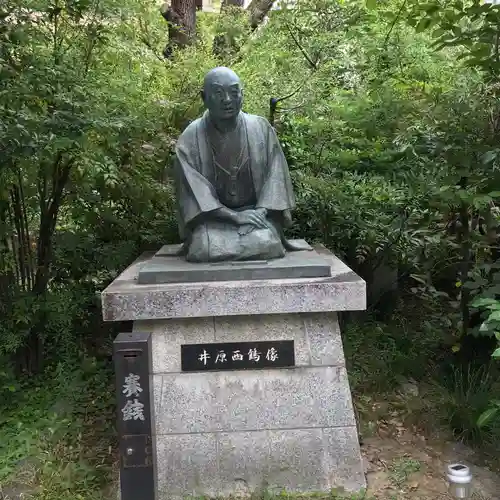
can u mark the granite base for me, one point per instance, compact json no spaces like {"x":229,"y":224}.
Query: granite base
{"x":244,"y":431}
{"x":127,"y":300}
{"x":223,"y":433}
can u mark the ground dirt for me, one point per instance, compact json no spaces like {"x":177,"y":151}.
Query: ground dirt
{"x":410,"y":467}
{"x":403,"y":465}
{"x":404,"y":459}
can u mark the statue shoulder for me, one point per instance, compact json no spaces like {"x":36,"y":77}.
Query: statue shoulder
{"x":258,"y":121}
{"x":189,"y":133}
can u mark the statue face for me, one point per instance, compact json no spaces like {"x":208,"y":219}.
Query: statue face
{"x":223,"y":96}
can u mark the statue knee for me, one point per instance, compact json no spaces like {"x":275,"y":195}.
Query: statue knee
{"x":199,"y":246}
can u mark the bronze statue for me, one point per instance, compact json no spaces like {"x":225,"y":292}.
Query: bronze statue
{"x":234,"y":192}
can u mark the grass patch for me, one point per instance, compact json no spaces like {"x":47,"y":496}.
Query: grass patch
{"x":401,"y":469}
{"x":380,"y":355}
{"x":416,"y":345}
{"x":56,"y":435}
{"x":333,"y":495}
{"x":470,"y":392}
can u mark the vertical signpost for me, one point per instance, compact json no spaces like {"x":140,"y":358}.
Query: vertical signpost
{"x":131,"y":357}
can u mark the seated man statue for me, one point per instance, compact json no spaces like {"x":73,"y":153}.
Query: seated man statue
{"x":234,"y":192}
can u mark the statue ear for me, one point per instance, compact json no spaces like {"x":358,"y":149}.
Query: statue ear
{"x":203,"y":96}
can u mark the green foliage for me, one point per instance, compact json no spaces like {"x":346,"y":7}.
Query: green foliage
{"x":472,"y":26}
{"x":85,"y":152}
{"x":393,"y":147}
{"x":381,"y":355}
{"x":56,"y":434}
{"x":231,"y":32}
{"x":489,"y":416}
{"x":492,"y":321}
{"x":359,"y":217}
{"x":467,"y":402}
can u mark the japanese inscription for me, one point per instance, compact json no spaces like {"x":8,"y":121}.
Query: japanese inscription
{"x":133,"y":409}
{"x":131,"y":387}
{"x":238,"y":355}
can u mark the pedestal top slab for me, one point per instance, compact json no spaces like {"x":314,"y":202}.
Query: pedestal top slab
{"x":166,"y":267}
{"x":125,"y":299}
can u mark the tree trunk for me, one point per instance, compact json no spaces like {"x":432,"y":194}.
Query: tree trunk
{"x":50,"y":205}
{"x":258,"y":10}
{"x":7,"y":275}
{"x":226,"y":48}
{"x":181,"y":18}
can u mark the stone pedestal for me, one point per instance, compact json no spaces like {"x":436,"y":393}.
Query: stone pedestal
{"x":222,"y":433}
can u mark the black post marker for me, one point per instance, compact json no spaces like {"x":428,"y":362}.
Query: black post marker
{"x":131,"y":358}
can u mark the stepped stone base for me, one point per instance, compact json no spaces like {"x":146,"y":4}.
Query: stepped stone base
{"x":222,"y":433}
{"x":166,"y":267}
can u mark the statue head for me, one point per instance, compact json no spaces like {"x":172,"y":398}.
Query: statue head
{"x":222,"y":94}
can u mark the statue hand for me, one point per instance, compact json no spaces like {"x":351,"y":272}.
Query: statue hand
{"x":256,"y":218}
{"x":262,"y":211}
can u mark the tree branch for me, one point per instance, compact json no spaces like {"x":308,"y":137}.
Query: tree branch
{"x":314,"y":65}
{"x":396,"y":19}
{"x":274,"y":101}
{"x":497,"y":45}
{"x":145,"y":39}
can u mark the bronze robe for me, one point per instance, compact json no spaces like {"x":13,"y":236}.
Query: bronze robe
{"x":211,"y":240}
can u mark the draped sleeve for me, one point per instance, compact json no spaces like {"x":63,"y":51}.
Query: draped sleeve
{"x":276,"y":192}
{"x":195,"y":194}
